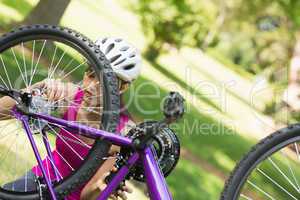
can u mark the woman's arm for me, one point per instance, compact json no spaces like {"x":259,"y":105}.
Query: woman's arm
{"x":6,"y":104}
{"x":55,"y":90}
{"x":97,"y":184}
{"x":94,"y":187}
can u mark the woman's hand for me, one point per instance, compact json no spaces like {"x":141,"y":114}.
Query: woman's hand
{"x":119,"y":193}
{"x":55,"y":89}
{"x":97,"y":183}
{"x":94,"y":188}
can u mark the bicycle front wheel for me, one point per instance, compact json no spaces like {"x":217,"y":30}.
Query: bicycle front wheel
{"x":30,"y":55}
{"x":271,"y":170}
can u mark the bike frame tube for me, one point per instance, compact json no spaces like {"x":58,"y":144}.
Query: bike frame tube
{"x":158,"y":189}
{"x":156,"y":183}
{"x":118,"y":178}
{"x":24,"y":120}
{"x":50,"y":156}
{"x":116,"y":139}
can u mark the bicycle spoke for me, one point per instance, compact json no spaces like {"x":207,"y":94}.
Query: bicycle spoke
{"x":276,"y":183}
{"x":245,"y":197}
{"x":291,"y":170}
{"x":24,"y":63}
{"x":38,"y":60}
{"x":71,"y":95}
{"x":66,"y":67}
{"x":13,"y":52}
{"x":5,"y":71}
{"x":72,"y":149}
{"x":52,"y":62}
{"x":55,"y":68}
{"x":2,"y":80}
{"x":16,"y":147}
{"x":32,"y":59}
{"x":62,"y":157}
{"x":260,"y":190}
{"x":283,"y":174}
{"x":77,"y":67}
{"x":77,"y":139}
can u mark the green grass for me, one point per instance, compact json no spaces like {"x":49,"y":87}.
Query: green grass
{"x":213,"y":133}
{"x":192,"y":182}
{"x":215,"y":54}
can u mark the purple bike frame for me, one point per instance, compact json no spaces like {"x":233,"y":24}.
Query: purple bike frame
{"x":155,"y":180}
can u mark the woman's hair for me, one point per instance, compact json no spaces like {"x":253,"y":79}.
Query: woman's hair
{"x":123,"y":85}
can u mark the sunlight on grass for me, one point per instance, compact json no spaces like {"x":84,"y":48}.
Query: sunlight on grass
{"x":8,"y":11}
{"x":108,"y":18}
{"x":192,"y":182}
{"x":224,"y":160}
{"x":17,"y":155}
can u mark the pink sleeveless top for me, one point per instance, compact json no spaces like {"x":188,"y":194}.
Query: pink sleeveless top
{"x":69,"y":152}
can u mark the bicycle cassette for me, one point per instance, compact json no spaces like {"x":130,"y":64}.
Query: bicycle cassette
{"x":42,"y":106}
{"x":167,"y":148}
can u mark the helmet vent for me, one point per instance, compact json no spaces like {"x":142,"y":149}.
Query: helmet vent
{"x":118,"y":40}
{"x":132,"y":55}
{"x":128,"y":67}
{"x":109,"y":48}
{"x":120,"y":61}
{"x":124,"y":48}
{"x":113,"y":59}
{"x":104,"y":40}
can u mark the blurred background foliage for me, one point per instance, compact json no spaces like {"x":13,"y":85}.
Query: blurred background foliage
{"x":230,"y":58}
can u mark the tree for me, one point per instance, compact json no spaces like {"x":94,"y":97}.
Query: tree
{"x":47,"y":12}
{"x":173,"y":23}
{"x":258,"y":35}
{"x":282,"y":14}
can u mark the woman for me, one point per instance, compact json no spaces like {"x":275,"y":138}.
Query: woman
{"x":126,"y":62}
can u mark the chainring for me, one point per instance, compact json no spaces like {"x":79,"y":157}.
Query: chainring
{"x":166,"y":145}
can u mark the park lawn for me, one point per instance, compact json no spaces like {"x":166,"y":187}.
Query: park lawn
{"x":217,"y":135}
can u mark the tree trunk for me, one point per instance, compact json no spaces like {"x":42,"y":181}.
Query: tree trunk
{"x":47,"y":12}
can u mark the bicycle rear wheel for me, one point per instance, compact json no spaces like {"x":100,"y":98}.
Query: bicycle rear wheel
{"x":270,"y":170}
{"x":28,"y":56}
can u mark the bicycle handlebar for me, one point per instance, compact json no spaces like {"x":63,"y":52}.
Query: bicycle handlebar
{"x":20,"y":97}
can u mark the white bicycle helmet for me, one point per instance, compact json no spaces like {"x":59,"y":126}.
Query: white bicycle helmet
{"x":124,"y":58}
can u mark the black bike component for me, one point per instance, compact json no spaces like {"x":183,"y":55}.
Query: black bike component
{"x":165,"y":143}
{"x":173,"y":107}
{"x":23,"y":98}
{"x":40,"y":105}
{"x":42,"y":188}
{"x":145,"y":134}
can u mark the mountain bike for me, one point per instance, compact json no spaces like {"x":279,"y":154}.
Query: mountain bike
{"x":29,"y":130}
